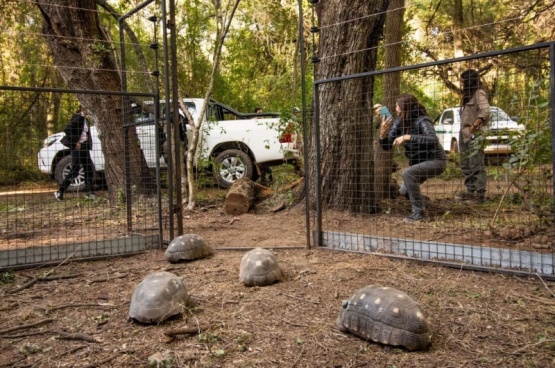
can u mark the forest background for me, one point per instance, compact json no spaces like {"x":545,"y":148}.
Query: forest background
{"x":260,"y":63}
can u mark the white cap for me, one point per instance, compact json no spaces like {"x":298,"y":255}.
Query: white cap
{"x":377,"y":106}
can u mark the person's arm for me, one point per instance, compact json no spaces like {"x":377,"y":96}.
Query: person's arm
{"x":483,"y":111}
{"x":389,"y":131}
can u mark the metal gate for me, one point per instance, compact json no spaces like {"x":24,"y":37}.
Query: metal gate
{"x":512,"y":231}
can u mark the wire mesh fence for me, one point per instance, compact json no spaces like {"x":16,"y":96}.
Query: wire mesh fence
{"x":36,"y":227}
{"x":511,"y":228}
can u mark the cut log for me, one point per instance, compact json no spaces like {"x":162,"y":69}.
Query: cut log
{"x":240,"y":197}
{"x":262,"y":192}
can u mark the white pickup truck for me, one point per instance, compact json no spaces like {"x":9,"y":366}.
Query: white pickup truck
{"x":500,"y":126}
{"x":233,"y":144}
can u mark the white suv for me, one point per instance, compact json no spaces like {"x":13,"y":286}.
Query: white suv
{"x":500,"y":126}
{"x":233,"y":144}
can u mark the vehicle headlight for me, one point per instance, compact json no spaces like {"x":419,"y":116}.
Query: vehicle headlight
{"x":50,"y":140}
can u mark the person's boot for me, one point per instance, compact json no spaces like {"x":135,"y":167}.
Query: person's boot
{"x":465,"y":196}
{"x":415,"y":217}
{"x":90,"y":195}
{"x":59,"y":196}
{"x":480,"y":198}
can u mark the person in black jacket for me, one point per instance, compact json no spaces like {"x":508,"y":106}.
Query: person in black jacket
{"x":414,"y":130}
{"x":80,"y":142}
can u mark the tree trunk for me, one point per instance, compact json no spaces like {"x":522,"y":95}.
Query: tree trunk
{"x":350,"y":33}
{"x":83,"y":55}
{"x":457,"y":28}
{"x":384,"y":185}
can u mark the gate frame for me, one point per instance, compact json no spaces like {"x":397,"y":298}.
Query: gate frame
{"x":320,"y":238}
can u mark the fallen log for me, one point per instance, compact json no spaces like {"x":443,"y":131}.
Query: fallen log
{"x":240,"y":197}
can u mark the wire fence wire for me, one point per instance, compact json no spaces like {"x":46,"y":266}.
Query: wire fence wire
{"x":513,"y":230}
{"x":35,"y":228}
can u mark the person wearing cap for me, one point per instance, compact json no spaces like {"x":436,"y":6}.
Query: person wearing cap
{"x":79,"y":140}
{"x":474,"y":117}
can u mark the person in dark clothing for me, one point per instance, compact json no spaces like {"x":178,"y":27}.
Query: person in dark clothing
{"x":474,"y":116}
{"x":414,"y":130}
{"x":80,"y":142}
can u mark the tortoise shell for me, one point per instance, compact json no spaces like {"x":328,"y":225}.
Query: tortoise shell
{"x":259,"y":267}
{"x":187,"y":247}
{"x":159,"y":296}
{"x":387,"y":316}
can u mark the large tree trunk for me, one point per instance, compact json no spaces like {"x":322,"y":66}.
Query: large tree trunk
{"x":384,"y":185}
{"x":350,"y":33}
{"x":458,"y":21}
{"x":83,"y":55}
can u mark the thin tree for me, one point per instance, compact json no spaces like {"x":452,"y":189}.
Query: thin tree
{"x":223,"y":22}
{"x":393,"y":36}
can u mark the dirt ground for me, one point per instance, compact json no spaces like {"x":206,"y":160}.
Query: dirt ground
{"x":79,"y":316}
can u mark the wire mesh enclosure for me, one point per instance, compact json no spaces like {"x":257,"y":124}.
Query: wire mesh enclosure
{"x":357,"y":183}
{"x":38,"y":228}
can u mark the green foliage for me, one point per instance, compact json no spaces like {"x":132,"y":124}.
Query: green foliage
{"x":12,"y":175}
{"x":7,"y":277}
{"x":453,"y":170}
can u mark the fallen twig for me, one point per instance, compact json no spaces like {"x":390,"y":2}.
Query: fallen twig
{"x":42,"y":278}
{"x":102,"y":362}
{"x":13,"y":364}
{"x":23,"y":286}
{"x":530,"y":345}
{"x":291,"y":185}
{"x":23,"y":327}
{"x":186,"y":330}
{"x":74,"y":336}
{"x":109,"y":278}
{"x":50,"y":309}
{"x":25,"y":335}
{"x":295,"y":324}
{"x":544,"y":284}
{"x":70,"y":351}
{"x":60,"y":277}
{"x":298,"y":359}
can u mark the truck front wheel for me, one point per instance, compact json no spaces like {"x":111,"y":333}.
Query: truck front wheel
{"x":232,"y":165}
{"x":62,"y":169}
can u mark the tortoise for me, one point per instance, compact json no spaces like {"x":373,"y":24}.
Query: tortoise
{"x":385,"y":315}
{"x":159,"y":296}
{"x":187,"y":247}
{"x":259,"y":267}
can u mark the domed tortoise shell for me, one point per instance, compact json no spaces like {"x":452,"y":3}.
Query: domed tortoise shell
{"x":187,"y":247}
{"x":259,"y":267}
{"x":387,"y":316}
{"x":159,"y":296}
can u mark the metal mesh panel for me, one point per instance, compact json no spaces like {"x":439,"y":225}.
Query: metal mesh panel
{"x":511,"y":230}
{"x":35,"y":227}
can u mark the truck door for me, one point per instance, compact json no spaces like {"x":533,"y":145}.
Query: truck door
{"x":444,"y":129}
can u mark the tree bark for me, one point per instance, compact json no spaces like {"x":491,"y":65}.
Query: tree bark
{"x":240,"y":197}
{"x":457,"y":28}
{"x":385,"y":187}
{"x":83,"y":54}
{"x":349,"y":35}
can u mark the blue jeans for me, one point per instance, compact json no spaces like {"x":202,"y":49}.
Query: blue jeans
{"x":414,"y":176}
